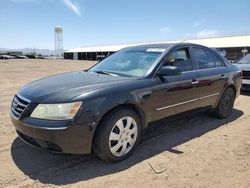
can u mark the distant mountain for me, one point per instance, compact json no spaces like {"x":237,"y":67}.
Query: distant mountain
{"x":31,"y":50}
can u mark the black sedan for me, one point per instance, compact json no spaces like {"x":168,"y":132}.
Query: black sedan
{"x":104,"y":109}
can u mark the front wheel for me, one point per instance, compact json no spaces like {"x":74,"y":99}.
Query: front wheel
{"x":225,"y":105}
{"x":117,"y":135}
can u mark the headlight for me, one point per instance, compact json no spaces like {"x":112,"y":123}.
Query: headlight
{"x":62,"y":111}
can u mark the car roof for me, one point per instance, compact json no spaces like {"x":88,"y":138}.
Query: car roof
{"x":164,"y":45}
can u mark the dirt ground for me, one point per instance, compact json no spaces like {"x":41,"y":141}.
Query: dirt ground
{"x":198,"y":151}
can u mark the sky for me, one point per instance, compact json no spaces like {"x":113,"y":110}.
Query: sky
{"x":30,"y":23}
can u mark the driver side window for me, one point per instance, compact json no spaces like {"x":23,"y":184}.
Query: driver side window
{"x":181,"y":59}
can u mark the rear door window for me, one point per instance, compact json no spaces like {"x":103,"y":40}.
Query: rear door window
{"x":218,"y":61}
{"x":204,"y":58}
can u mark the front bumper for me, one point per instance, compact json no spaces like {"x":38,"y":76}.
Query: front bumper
{"x":61,"y":136}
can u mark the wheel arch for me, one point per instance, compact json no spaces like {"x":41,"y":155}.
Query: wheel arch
{"x":130,"y":106}
{"x":232,"y":86}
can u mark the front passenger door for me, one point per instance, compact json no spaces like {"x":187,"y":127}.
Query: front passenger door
{"x":176,"y":94}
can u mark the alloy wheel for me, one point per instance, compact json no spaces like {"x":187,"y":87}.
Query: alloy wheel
{"x":123,"y":136}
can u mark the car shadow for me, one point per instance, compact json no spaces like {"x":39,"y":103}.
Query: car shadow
{"x":162,"y":136}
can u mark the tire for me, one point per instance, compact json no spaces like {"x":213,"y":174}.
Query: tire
{"x":117,"y":135}
{"x":225,"y":105}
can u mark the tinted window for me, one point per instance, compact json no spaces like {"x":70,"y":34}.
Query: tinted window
{"x":218,"y":62}
{"x":181,"y":54}
{"x":204,"y":58}
{"x":181,"y":59}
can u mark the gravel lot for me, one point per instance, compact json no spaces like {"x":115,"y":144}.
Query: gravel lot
{"x":198,"y":151}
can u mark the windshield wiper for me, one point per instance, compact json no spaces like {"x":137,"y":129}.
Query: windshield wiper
{"x":106,"y":72}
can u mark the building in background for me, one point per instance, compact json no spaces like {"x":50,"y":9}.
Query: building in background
{"x":14,"y":53}
{"x":58,"y":41}
{"x":234,"y":47}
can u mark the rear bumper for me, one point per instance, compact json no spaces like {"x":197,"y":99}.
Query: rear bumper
{"x":65,"y":137}
{"x":245,"y":87}
{"x":245,"y":84}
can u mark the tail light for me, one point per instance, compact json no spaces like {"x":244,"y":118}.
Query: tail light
{"x":241,"y":74}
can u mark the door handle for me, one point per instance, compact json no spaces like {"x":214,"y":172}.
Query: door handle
{"x":194,"y":82}
{"x":222,"y":76}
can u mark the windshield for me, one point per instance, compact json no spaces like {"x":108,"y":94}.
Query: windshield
{"x":133,"y":62}
{"x":245,"y":60}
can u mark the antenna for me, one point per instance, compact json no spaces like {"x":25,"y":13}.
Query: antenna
{"x":59,"y":41}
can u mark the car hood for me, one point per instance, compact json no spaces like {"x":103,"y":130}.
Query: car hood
{"x":243,"y":66}
{"x":64,"y":87}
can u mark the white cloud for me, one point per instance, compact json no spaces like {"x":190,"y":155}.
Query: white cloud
{"x":74,"y":6}
{"x":206,"y":33}
{"x":203,"y":34}
{"x":165,"y":29}
{"x":198,"y":23}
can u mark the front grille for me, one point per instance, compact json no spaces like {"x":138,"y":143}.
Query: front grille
{"x":246,"y":74}
{"x":18,"y":106}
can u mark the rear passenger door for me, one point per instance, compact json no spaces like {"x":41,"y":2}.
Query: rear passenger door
{"x":212,"y":78}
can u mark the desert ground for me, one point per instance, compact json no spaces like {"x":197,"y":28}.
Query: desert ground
{"x":196,"y":151}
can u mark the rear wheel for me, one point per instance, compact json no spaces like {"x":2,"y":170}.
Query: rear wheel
{"x":117,"y":135}
{"x":225,"y":105}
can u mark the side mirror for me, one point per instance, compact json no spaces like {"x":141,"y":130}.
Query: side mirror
{"x":169,"y":71}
